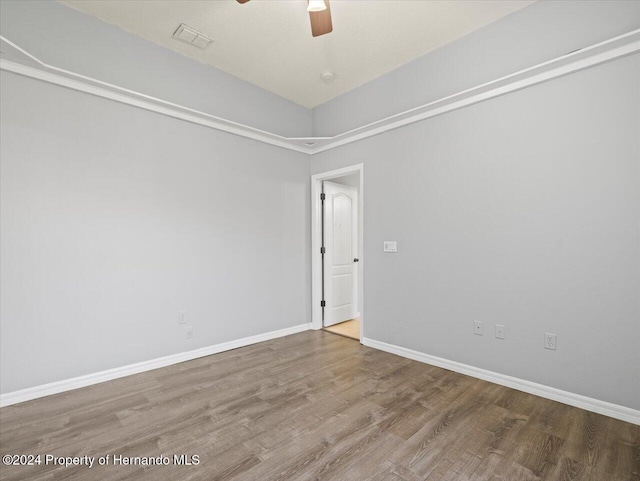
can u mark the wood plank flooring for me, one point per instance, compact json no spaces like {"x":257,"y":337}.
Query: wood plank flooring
{"x":350,"y":329}
{"x":316,"y":406}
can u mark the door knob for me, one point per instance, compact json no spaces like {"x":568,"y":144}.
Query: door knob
{"x":356,"y":259}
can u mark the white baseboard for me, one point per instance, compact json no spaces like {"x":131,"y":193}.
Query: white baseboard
{"x":583,"y":402}
{"x":102,"y":376}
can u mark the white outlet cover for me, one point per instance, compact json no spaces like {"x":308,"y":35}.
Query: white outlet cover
{"x":478,"y":328}
{"x":499,"y":331}
{"x":390,"y":246}
{"x":550,"y":341}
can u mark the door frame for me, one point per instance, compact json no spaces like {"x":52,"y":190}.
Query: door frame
{"x":316,"y":241}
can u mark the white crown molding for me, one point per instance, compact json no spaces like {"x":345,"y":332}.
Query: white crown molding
{"x":602,"y":52}
{"x":597,"y":54}
{"x":583,"y":402}
{"x":29,"y":66}
{"x":110,"y":374}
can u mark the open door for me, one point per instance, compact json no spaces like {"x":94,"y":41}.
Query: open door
{"x":340,"y":242}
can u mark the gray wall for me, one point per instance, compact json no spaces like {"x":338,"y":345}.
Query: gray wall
{"x":523,"y":210}
{"x":66,"y":38}
{"x":113,"y":219}
{"x":537,"y":33}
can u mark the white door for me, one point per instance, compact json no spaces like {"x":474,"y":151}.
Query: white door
{"x":341,"y":252}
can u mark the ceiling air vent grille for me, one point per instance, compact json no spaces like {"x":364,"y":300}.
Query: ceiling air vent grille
{"x":189,"y":35}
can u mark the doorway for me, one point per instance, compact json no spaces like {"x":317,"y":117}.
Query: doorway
{"x":337,"y":246}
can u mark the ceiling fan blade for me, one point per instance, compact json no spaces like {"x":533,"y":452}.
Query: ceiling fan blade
{"x":321,"y":21}
{"x":242,"y":1}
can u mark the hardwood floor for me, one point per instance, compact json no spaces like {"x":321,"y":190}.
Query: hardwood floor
{"x":316,"y":406}
{"x":350,"y":329}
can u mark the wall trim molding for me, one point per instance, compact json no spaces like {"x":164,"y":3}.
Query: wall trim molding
{"x":123,"y":371}
{"x":23,"y":63}
{"x":27,"y":65}
{"x":577,"y":400}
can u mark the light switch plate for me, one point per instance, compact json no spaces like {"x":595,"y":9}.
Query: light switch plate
{"x":390,"y":246}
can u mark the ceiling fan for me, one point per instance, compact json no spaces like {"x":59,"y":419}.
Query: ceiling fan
{"x":319,"y":14}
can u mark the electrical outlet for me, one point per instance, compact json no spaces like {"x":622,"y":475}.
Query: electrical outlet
{"x":182,"y":318}
{"x":549,"y":341}
{"x":189,"y":332}
{"x":499,"y":331}
{"x":478,"y":328}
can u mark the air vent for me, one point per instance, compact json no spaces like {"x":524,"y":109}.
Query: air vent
{"x":191,"y":36}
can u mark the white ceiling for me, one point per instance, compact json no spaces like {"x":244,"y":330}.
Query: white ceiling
{"x":269,"y":42}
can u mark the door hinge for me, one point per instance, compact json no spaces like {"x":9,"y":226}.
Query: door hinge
{"x":323,"y":250}
{"x":322,"y":196}
{"x":323,"y":303}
